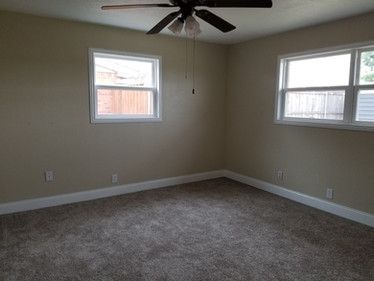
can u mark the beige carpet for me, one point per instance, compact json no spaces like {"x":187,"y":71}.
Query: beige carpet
{"x":211,"y":230}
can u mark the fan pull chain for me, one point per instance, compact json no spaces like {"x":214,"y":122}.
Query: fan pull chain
{"x":193,"y":66}
{"x":186,"y":62}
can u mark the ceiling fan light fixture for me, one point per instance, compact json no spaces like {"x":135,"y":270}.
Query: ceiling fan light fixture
{"x":192,"y":27}
{"x":177,"y":26}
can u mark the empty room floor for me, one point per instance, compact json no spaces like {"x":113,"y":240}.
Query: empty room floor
{"x":211,"y":230}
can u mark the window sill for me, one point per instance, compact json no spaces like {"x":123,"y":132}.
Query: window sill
{"x":336,"y":126}
{"x":127,"y":120}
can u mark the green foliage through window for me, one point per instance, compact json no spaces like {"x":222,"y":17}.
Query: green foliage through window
{"x":368,"y":60}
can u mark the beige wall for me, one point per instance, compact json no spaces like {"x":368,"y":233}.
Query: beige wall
{"x":44,"y":114}
{"x":44,"y":110}
{"x":313,"y":158}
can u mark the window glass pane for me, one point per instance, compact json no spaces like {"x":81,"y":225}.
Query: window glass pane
{"x":123,"y":72}
{"x":367,"y":68}
{"x":124,"y":102}
{"x":315,"y":105}
{"x":319,"y":72}
{"x":365,"y":106}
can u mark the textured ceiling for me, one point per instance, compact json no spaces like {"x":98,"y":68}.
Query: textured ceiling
{"x":285,"y":15}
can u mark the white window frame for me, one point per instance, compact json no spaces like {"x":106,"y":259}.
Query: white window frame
{"x":157,"y":93}
{"x":350,"y":104}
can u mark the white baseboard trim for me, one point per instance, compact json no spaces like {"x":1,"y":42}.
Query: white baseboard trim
{"x":44,"y":202}
{"x":333,"y":208}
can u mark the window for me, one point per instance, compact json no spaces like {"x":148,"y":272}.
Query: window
{"x":330,"y":88}
{"x":124,"y":87}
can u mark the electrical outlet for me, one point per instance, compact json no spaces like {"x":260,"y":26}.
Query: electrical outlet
{"x":280,"y":175}
{"x":49,"y":176}
{"x":284,"y":175}
{"x":329,"y":193}
{"x":114,"y":178}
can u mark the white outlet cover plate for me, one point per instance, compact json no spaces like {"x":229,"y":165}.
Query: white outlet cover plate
{"x":114,"y":178}
{"x":329,"y":193}
{"x":49,"y":176}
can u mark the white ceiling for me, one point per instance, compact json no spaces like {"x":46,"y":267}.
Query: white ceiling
{"x":285,"y":15}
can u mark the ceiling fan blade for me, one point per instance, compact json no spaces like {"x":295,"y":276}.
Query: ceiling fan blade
{"x":164,"y":22}
{"x":125,"y":7}
{"x":214,"y":20}
{"x":236,"y":3}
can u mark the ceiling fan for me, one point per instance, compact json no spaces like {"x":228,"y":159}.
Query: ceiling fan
{"x":187,"y":8}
